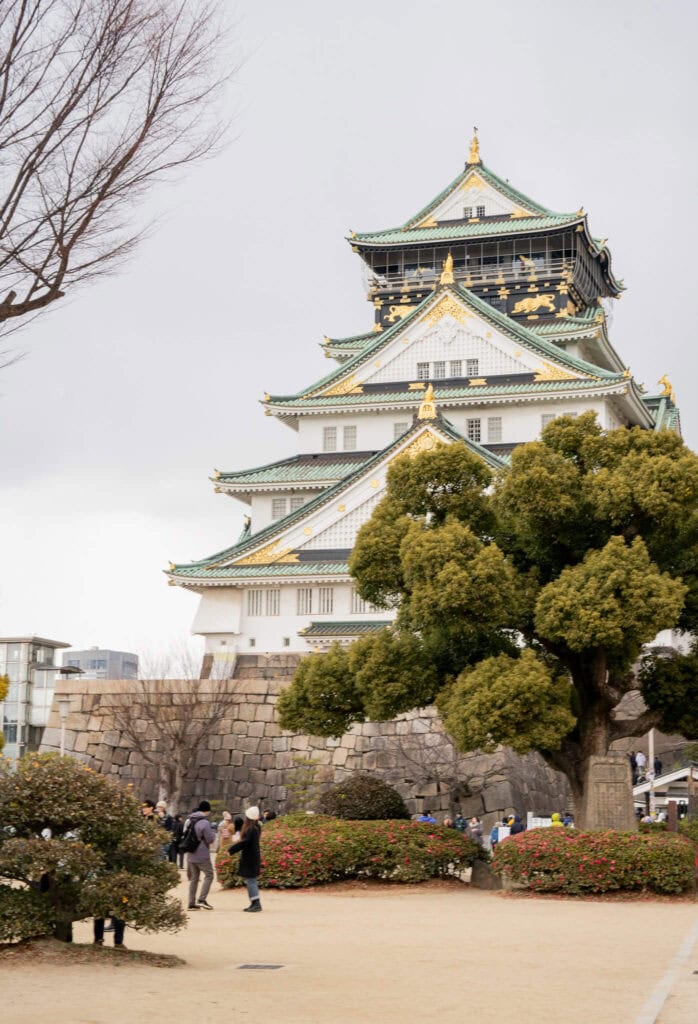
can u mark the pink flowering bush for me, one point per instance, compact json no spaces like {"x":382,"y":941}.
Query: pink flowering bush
{"x":572,"y":862}
{"x":302,"y":850}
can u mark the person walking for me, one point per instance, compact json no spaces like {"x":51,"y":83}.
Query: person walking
{"x":199,"y":860}
{"x":250,"y":857}
{"x":176,"y":856}
{"x":117,"y":926}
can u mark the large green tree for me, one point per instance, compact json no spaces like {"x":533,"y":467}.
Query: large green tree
{"x":523,"y":598}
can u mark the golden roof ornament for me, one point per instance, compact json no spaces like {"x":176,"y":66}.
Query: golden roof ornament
{"x":447,"y":270}
{"x":474,"y":154}
{"x":427,"y":410}
{"x":667,"y":389}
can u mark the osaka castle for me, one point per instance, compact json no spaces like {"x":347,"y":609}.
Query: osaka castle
{"x":490,"y":319}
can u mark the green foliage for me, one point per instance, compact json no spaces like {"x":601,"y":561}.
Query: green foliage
{"x":652,"y":826}
{"x":363,"y":798}
{"x":305,"y":784}
{"x":515,"y":701}
{"x":572,"y":862}
{"x":615,"y":599}
{"x":300,"y":851}
{"x":580,"y":553}
{"x":102,"y":857}
{"x":689,"y":827}
{"x":670,"y":686}
{"x":323,"y":699}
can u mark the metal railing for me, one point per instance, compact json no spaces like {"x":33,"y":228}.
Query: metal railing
{"x":517,"y":269}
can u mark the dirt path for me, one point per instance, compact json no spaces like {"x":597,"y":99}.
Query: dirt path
{"x":385,"y":955}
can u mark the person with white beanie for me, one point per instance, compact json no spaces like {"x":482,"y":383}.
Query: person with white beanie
{"x":250,"y":857}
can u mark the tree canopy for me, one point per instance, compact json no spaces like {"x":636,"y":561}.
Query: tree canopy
{"x":524,"y":598}
{"x":75,"y":845}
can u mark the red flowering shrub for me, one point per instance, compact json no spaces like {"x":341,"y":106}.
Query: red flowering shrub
{"x":565,"y":860}
{"x":303,"y":850}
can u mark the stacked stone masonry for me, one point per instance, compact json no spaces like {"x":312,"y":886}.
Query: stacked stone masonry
{"x":246,"y":758}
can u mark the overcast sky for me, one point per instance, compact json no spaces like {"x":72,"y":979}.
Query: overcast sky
{"x":347,"y":116}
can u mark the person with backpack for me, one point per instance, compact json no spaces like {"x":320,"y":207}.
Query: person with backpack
{"x":250,"y":857}
{"x":197,"y":839}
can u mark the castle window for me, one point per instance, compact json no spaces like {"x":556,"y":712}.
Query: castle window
{"x":546,"y":418}
{"x":467,"y":212}
{"x":254,"y":602}
{"x":472,"y":367}
{"x":349,"y":439}
{"x":422,"y":371}
{"x":329,"y":439}
{"x":278,"y":508}
{"x":480,"y":211}
{"x":253,"y":642}
{"x":273,"y":602}
{"x":325,"y":600}
{"x":297,"y":501}
{"x":494,"y":429}
{"x":287,"y":641}
{"x":455,"y":368}
{"x":304,"y":601}
{"x":359,"y":606}
{"x":439,"y":370}
{"x":399,"y":429}
{"x":473,"y":429}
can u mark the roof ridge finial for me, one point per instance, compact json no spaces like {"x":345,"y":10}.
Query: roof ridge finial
{"x":427,"y":410}
{"x":447,"y":270}
{"x":474,"y":154}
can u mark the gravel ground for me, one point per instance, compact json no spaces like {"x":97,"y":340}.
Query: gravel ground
{"x":437,"y":952}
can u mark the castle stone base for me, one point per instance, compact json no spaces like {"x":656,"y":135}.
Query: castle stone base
{"x":246,"y":758}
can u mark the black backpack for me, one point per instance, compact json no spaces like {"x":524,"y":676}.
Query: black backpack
{"x":190,"y":840}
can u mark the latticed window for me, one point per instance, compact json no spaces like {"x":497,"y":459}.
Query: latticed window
{"x":273,"y":602}
{"x":399,"y":429}
{"x":494,"y":428}
{"x":297,"y":501}
{"x":422,"y":371}
{"x":304,"y":601}
{"x":278,"y":508}
{"x":329,"y":439}
{"x":467,"y":212}
{"x":255,"y":601}
{"x":480,"y":211}
{"x":325,"y":600}
{"x":359,"y":606}
{"x":546,"y":418}
{"x":349,"y":439}
{"x":472,"y":367}
{"x":473,"y":429}
{"x":455,"y":368}
{"x":439,"y":370}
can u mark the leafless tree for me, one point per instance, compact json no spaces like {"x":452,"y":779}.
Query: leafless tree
{"x":99,"y":100}
{"x":168,"y":721}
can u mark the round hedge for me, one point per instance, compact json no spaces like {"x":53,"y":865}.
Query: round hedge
{"x":573,"y":862}
{"x":363,"y":798}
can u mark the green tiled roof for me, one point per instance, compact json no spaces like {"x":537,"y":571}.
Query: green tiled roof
{"x":541,"y":346}
{"x":297,"y":469}
{"x":353,"y":341}
{"x":317,"y":629}
{"x":234,"y":572}
{"x":444,"y":394}
{"x":208,"y":567}
{"x":492,"y":179}
{"x":481,"y":229}
{"x":666,"y":414}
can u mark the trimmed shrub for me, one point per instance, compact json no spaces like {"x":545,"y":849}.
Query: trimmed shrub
{"x":572,"y":862}
{"x":653,"y":826}
{"x":689,"y":827}
{"x":363,"y":798}
{"x":302,"y":850}
{"x":102,"y":858}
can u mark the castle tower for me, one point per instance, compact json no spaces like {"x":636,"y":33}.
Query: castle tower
{"x":489,"y":323}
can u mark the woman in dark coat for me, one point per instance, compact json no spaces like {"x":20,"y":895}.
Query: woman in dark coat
{"x":250,"y":857}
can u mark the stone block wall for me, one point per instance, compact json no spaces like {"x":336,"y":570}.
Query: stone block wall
{"x":246,"y":758}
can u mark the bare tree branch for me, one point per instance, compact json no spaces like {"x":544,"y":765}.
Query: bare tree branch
{"x":99,"y":100}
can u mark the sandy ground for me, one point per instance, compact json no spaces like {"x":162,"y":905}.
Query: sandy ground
{"x":385,"y":955}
